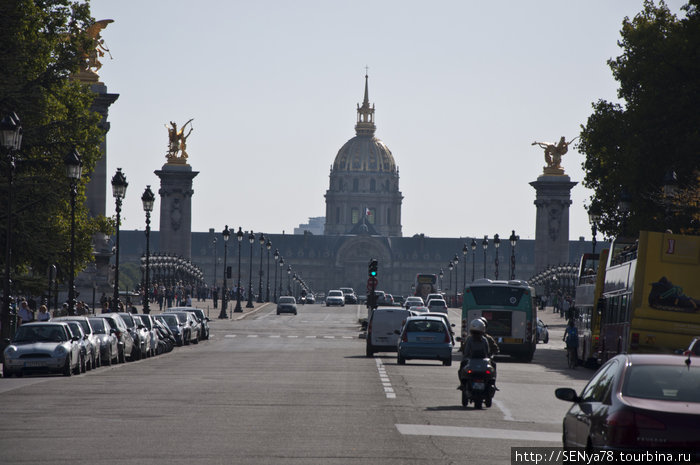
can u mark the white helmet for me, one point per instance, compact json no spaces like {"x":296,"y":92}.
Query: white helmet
{"x":477,"y":326}
{"x":485,"y":322}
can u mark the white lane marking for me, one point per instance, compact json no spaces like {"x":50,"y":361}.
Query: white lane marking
{"x":386,"y":383}
{"x":274,"y":335}
{"x":230,"y":335}
{"x":506,"y":412}
{"x":310,"y":337}
{"x":292,"y":337}
{"x":328,"y":337}
{"x":252,"y":335}
{"x":485,"y":433}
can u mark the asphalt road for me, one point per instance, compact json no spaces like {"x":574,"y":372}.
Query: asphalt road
{"x":285,"y":389}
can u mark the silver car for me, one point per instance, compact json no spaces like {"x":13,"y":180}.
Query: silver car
{"x":42,"y":347}
{"x":107,"y":340}
{"x":93,"y":357}
{"x":190,"y":322}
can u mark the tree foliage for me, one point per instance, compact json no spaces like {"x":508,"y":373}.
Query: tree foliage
{"x":630,"y":147}
{"x":42,"y":42}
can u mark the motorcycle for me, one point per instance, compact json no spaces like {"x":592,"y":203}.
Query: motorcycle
{"x":477,"y":382}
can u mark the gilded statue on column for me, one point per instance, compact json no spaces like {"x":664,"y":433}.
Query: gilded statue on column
{"x":91,"y":55}
{"x":553,"y":153}
{"x":177,"y":145}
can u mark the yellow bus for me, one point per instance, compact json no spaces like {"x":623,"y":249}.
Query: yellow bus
{"x":651,"y":295}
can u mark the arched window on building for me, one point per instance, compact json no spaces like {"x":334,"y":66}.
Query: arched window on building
{"x":372,"y":215}
{"x":355,"y":215}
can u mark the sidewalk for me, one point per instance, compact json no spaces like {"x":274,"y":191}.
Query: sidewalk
{"x":209,"y":310}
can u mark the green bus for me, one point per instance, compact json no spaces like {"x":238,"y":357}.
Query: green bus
{"x":511,"y":312}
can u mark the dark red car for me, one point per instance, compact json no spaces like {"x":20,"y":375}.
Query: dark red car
{"x":637,"y":402}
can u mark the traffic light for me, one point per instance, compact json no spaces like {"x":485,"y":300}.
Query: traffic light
{"x":228,"y":272}
{"x":373,"y":268}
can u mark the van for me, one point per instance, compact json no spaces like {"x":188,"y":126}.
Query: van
{"x":382,"y":327}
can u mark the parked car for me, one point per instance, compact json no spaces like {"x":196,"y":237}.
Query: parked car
{"x":349,"y":295}
{"x":335,"y":297}
{"x":166,"y":338}
{"x":93,"y":357}
{"x":286,"y":304}
{"x":437,"y":306}
{"x":127,"y":347}
{"x":426,"y":338}
{"x":199,"y":316}
{"x":86,"y":348}
{"x":413,"y":301}
{"x":180,"y":330}
{"x":636,"y":402}
{"x":140,"y":337}
{"x":381,"y":329}
{"x":107,"y":340}
{"x":42,"y":347}
{"x":542,"y":332}
{"x":147,"y":322}
{"x":189,"y":322}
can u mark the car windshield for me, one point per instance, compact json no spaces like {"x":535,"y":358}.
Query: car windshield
{"x":170,"y":320}
{"x":425,"y":326}
{"x":75,"y":327}
{"x":181,"y":317}
{"x":435,"y":302}
{"x":663,"y":382}
{"x":40,"y":333}
{"x":128,"y":320}
{"x":98,"y":325}
{"x":287,"y":300}
{"x":335,"y":294}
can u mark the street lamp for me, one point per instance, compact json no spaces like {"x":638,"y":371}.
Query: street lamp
{"x":593,"y":218}
{"x":261,"y":240}
{"x":281,"y":275}
{"x":226,"y":233}
{"x":513,"y":241}
{"x":119,"y":186}
{"x":11,"y":139}
{"x":74,"y":167}
{"x":473,"y":246}
{"x":465,"y":249}
{"x":268,"y":246}
{"x":441,"y":274}
{"x":450,"y":266}
{"x":148,"y":198}
{"x":455,"y":260}
{"x":249,"y":304}
{"x":496,"y":244}
{"x":485,"y":245}
{"x":276,"y":256}
{"x":239,"y":236}
{"x":289,"y":279}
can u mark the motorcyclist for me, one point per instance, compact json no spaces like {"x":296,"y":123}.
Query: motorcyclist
{"x":477,"y":345}
{"x":493,"y":347}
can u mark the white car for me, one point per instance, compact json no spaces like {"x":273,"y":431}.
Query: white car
{"x":413,"y":301}
{"x":335,"y":297}
{"x":43,"y":347}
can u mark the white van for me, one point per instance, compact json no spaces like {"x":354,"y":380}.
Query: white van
{"x":383,"y":322}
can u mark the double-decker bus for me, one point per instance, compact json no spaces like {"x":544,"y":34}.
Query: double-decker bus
{"x":651,"y":294}
{"x":509,"y":307}
{"x":425,"y":284}
{"x":589,"y":288}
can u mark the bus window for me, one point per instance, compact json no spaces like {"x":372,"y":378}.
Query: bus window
{"x":501,"y":296}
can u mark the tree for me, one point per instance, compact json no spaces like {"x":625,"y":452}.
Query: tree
{"x":630,"y":148}
{"x":42,"y":47}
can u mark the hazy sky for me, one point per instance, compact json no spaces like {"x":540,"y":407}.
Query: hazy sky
{"x":461,"y":90}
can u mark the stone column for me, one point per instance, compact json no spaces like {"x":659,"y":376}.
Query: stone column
{"x":176,"y":208}
{"x":552,"y":223}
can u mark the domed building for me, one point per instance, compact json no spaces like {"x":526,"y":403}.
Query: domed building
{"x":363,"y":195}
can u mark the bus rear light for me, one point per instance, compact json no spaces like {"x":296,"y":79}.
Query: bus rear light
{"x":404,"y":338}
{"x":447,"y":337}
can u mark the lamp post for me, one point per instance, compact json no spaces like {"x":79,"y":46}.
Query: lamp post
{"x":119,"y":186}
{"x":455,"y":260}
{"x":11,"y":138}
{"x":148,"y":198}
{"x":465,"y":249}
{"x":625,"y":205}
{"x":441,"y":274}
{"x":593,"y":218}
{"x":268,"y":246}
{"x":249,"y":304}
{"x":213,"y":244}
{"x":473,"y":247}
{"x":261,"y":240}
{"x":281,"y":276}
{"x":513,"y":241}
{"x":289,"y":279}
{"x":450,"y":266}
{"x":74,"y":167}
{"x":496,"y":244}
{"x":485,"y":245}
{"x":239,"y":236}
{"x":276,"y":256}
{"x":226,"y":233}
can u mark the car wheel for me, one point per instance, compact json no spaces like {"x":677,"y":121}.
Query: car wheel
{"x":369,"y":351}
{"x":195,"y":340}
{"x":295,"y":313}
{"x":121,"y":358}
{"x":465,"y":397}
{"x":83,"y":364}
{"x":109,"y":358}
{"x":400,"y":360}
{"x":487,"y":402}
{"x":447,"y":362}
{"x":66,"y":369}
{"x":546,"y":338}
{"x":6,"y":373}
